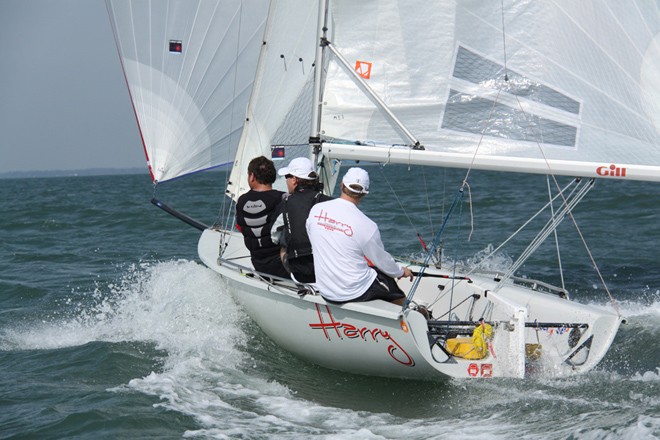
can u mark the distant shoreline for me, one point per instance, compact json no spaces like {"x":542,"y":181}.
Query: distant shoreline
{"x":123,"y":171}
{"x":73,"y":173}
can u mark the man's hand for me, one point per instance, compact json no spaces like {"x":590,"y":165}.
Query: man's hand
{"x":407,"y":273}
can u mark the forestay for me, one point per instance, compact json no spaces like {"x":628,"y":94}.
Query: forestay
{"x":281,"y":103}
{"x":558,"y":87}
{"x":189,"y":66}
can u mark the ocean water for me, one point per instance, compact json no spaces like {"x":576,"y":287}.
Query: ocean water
{"x":111,"y":328}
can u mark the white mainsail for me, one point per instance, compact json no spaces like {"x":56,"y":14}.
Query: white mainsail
{"x":542,"y":87}
{"x":189,"y":66}
{"x":558,"y":87}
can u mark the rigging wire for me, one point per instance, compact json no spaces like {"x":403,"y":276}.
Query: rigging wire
{"x":455,"y":262}
{"x":523,"y":226}
{"x":223,"y":205}
{"x":571,"y":195}
{"x":577,"y":228}
{"x":403,"y":209}
{"x":428,"y":201}
{"x":550,"y":226}
{"x":444,"y":196}
{"x":552,"y":214}
{"x":506,"y":74}
{"x":226,"y":206}
{"x":431,"y":250}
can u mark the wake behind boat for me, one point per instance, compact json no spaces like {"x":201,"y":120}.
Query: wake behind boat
{"x":538,"y":88}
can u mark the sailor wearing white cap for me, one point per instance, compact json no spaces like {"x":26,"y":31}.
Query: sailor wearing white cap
{"x":350,"y":261}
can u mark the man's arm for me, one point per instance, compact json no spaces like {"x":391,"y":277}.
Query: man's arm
{"x":375,"y":251}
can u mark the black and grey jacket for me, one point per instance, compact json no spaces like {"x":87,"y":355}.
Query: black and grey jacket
{"x":256,"y":212}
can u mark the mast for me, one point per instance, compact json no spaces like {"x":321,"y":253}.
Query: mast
{"x":321,"y":34}
{"x":327,"y":168}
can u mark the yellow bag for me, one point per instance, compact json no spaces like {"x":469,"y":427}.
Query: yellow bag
{"x":472,"y":348}
{"x":481,"y":335}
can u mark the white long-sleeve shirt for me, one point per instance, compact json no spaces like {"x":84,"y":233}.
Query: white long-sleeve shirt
{"x":342,"y":236}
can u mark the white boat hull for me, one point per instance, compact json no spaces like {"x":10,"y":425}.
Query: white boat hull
{"x":378,"y":338}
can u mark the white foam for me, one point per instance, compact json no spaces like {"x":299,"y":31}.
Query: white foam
{"x":648,"y":376}
{"x":642,"y":428}
{"x":179,"y":306}
{"x":637,"y":308}
{"x":499,"y":261}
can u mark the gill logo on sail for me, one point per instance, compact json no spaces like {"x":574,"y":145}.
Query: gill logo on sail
{"x":363,"y":68}
{"x":346,"y":330}
{"x":611,"y":170}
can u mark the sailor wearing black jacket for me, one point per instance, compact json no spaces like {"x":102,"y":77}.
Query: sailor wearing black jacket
{"x":305,"y":191}
{"x":256,"y":212}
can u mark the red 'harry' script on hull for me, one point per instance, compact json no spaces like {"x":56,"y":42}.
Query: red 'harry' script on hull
{"x":346,"y":330}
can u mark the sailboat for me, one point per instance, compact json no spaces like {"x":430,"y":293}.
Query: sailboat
{"x":557,"y":88}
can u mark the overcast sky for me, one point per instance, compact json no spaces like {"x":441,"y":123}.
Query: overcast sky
{"x":63,"y":99}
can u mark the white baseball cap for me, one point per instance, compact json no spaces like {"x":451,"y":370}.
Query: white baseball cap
{"x":356,"y":176}
{"x":300,"y":167}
